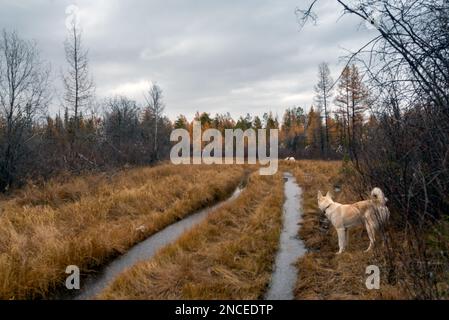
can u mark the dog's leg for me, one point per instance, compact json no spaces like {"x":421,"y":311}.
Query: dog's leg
{"x":384,"y":237}
{"x":371,"y":235}
{"x":347,"y":238}
{"x":341,"y":239}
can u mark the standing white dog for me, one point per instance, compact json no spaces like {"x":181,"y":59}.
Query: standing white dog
{"x":373,"y":213}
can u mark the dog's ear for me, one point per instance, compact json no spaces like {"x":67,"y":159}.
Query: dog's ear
{"x":328,"y":195}
{"x":320,"y":195}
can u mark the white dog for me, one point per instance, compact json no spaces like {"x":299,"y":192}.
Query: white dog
{"x":372,"y":213}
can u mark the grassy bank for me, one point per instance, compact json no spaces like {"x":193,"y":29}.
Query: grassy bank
{"x":85,"y":221}
{"x":322,"y":273}
{"x":228,"y":256}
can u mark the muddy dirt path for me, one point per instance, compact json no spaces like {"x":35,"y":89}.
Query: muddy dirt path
{"x":144,"y":250}
{"x":290,"y":247}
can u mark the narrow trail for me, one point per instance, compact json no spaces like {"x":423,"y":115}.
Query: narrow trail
{"x":290,"y":247}
{"x":144,"y":250}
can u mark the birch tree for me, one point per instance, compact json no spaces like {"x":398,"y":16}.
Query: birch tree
{"x":155,"y":109}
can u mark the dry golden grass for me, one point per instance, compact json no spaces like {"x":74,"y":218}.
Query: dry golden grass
{"x":322,"y":273}
{"x":228,"y":256}
{"x":85,"y":221}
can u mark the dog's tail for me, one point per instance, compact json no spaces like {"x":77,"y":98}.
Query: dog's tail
{"x":379,"y":196}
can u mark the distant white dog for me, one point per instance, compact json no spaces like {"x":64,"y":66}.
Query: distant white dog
{"x":290,"y":159}
{"x":373,"y":213}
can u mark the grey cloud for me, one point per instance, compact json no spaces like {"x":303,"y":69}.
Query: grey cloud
{"x":215,"y":56}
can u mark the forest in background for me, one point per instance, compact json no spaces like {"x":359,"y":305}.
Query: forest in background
{"x":35,"y":145}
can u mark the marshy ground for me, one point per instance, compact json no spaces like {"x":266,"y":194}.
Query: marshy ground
{"x":88,"y":220}
{"x":229,"y":253}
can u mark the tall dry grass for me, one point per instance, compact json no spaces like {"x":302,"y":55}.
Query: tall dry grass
{"x":85,"y":221}
{"x":228,"y":256}
{"x":322,"y":273}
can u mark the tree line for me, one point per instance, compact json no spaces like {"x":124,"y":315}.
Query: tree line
{"x":34,"y":144}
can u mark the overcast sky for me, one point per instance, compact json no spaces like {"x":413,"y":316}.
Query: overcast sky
{"x":215,"y":56}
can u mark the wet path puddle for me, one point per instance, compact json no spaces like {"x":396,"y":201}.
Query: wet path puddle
{"x":144,"y":250}
{"x":290,"y":246}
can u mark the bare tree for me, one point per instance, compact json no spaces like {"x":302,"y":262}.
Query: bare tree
{"x":24,"y":95}
{"x":155,"y":109}
{"x":323,"y":90}
{"x":121,"y":128}
{"x":411,"y":45}
{"x":78,"y":84}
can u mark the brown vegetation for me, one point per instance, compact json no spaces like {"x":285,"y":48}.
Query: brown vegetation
{"x":228,"y":256}
{"x":87,"y":220}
